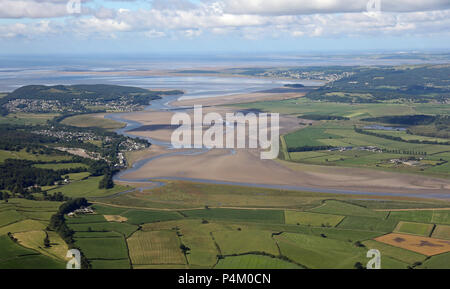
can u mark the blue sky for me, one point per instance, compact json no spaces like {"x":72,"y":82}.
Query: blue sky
{"x":178,"y":26}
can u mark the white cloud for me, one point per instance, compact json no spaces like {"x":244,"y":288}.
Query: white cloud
{"x":262,"y":19}
{"x":27,"y":31}
{"x":301,"y":7}
{"x":38,"y":8}
{"x":154,"y":34}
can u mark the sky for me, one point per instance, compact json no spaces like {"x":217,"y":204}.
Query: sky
{"x":212,"y":26}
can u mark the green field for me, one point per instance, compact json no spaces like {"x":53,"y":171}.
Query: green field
{"x":122,"y":228}
{"x":61,"y":166}
{"x":14,"y":256}
{"x":85,"y":219}
{"x":368,"y":224}
{"x":9,"y":217}
{"x":111,"y":264}
{"x":155,"y":247}
{"x":311,"y":136}
{"x":408,"y":137}
{"x":312,"y":219}
{"x":22,"y":226}
{"x":92,"y":120}
{"x":254,"y":262}
{"x":341,"y":133}
{"x":344,"y":208}
{"x":429,"y":216}
{"x":399,"y":254}
{"x":271,"y":216}
{"x":301,"y":106}
{"x":245,"y":241}
{"x":335,"y":234}
{"x":87,"y":188}
{"x":27,"y":118}
{"x":182,"y":195}
{"x":319,"y":252}
{"x":22,"y":154}
{"x":414,"y":228}
{"x":103,"y":248}
{"x":108,"y":210}
{"x":417,"y":216}
{"x":441,"y":217}
{"x":441,"y":232}
{"x":138,"y":217}
{"x":437,"y":262}
{"x":35,"y":241}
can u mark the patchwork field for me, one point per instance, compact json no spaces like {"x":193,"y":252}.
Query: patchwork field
{"x":26,"y":221}
{"x":309,"y":144}
{"x":334,"y":233}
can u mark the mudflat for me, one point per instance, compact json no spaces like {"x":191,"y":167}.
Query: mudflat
{"x":247,"y":167}
{"x":244,"y":165}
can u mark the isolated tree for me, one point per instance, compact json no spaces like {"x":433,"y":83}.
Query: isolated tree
{"x":46,"y":241}
{"x":358,"y":265}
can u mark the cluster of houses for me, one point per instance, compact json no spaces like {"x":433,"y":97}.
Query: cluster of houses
{"x":69,"y":135}
{"x":76,"y":105}
{"x":307,"y":75}
{"x":406,"y":162}
{"x":34,"y":105}
{"x":364,"y":148}
{"x":81,"y":211}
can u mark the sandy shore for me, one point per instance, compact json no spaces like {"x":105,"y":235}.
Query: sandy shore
{"x":151,"y":118}
{"x":245,"y":165}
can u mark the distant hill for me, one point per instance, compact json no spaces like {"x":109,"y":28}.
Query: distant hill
{"x":379,"y":84}
{"x":78,"y":98}
{"x":103,"y":92}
